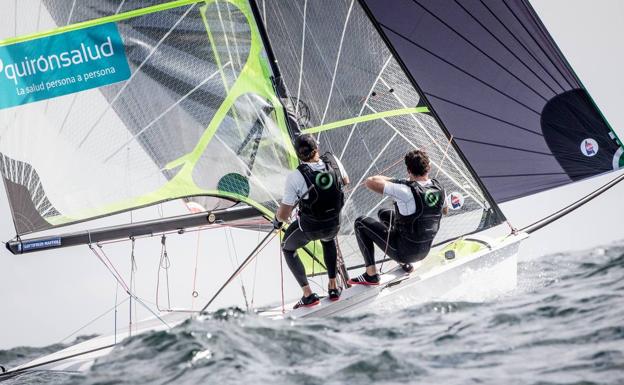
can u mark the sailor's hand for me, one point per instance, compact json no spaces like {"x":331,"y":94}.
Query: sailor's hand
{"x":277,"y":224}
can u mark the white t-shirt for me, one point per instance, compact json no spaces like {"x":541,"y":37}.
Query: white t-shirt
{"x":296,"y":185}
{"x":403,"y":196}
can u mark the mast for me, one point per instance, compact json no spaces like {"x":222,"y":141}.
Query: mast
{"x":277,"y":76}
{"x":424,"y":99}
{"x":138,"y":229}
{"x":278,"y":81}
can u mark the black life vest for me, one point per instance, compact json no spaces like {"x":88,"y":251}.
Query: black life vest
{"x":325,"y":192}
{"x":423,"y":224}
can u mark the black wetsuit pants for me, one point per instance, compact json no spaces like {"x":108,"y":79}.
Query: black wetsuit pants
{"x":295,"y":238}
{"x":370,"y":232}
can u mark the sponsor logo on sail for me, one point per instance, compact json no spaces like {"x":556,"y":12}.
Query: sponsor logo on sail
{"x":61,"y":64}
{"x":456,"y":200}
{"x":589,"y":147}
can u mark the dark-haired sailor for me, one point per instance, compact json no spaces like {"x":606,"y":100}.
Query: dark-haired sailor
{"x":317,"y":184}
{"x":406,"y":232}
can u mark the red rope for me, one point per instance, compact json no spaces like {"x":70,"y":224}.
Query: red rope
{"x":282,"y":278}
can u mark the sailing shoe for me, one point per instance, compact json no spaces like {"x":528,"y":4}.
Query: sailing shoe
{"x":365,"y":279}
{"x":309,"y":301}
{"x":334,"y":294}
{"x":407,"y":267}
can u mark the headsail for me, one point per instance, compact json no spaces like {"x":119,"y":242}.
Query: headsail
{"x":197,"y":116}
{"x":345,"y":85}
{"x":502,"y":88}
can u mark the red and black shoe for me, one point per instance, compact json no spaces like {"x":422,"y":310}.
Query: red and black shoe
{"x":334,"y":294}
{"x":309,"y":301}
{"x":365,"y":279}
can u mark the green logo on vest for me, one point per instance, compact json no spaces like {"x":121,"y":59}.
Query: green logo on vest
{"x":324,"y":180}
{"x":432,"y":198}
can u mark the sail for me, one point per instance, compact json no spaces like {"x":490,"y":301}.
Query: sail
{"x":499,"y":84}
{"x":184,"y":107}
{"x":343,"y":84}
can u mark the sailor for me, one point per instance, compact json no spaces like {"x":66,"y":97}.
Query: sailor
{"x":317,"y":185}
{"x":406,"y":232}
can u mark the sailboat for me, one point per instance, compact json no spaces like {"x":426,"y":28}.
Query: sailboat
{"x":108,"y":107}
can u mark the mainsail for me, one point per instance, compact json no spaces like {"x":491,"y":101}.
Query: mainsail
{"x":196,"y":117}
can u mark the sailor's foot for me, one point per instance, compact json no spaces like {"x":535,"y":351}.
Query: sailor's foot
{"x":365,"y":279}
{"x":309,"y":301}
{"x":407,"y":267}
{"x":334,"y":294}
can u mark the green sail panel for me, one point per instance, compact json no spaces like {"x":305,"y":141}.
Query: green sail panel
{"x":199,"y":107}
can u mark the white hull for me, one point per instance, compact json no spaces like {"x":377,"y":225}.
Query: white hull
{"x":435,"y":278}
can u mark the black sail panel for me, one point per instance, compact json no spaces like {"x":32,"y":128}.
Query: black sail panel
{"x":501,"y":87}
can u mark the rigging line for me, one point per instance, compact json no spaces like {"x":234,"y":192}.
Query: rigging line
{"x":282,"y":279}
{"x":94,"y":320}
{"x":132,"y":270}
{"x":385,"y":169}
{"x":331,"y":87}
{"x":163,"y":264}
{"x":518,"y":175}
{"x":136,"y":71}
{"x":122,"y":283}
{"x":473,"y":45}
{"x":369,"y":168}
{"x":448,"y":145}
{"x":253,"y":289}
{"x":483,"y":114}
{"x":111,"y":269}
{"x":303,"y":34}
{"x":381,"y":201}
{"x":39,"y":16}
{"x":468,"y":193}
{"x":435,"y":142}
{"x":120,"y":6}
{"x":240,"y":63}
{"x":515,"y":37}
{"x":573,"y":206}
{"x":531,"y":35}
{"x":252,"y":255}
{"x":240,"y":277}
{"x":162,"y":114}
{"x":194,"y":293}
{"x":368,"y":95}
{"x":227,"y":45}
{"x":116,"y":304}
{"x":460,"y":69}
{"x":506,"y":47}
{"x":71,"y":12}
{"x":504,"y":146}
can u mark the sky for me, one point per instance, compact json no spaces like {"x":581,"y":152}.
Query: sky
{"x":45,"y":296}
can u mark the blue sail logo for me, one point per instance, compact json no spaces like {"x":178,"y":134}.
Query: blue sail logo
{"x":61,"y":64}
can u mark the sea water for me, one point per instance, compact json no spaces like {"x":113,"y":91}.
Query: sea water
{"x":564,"y":324}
